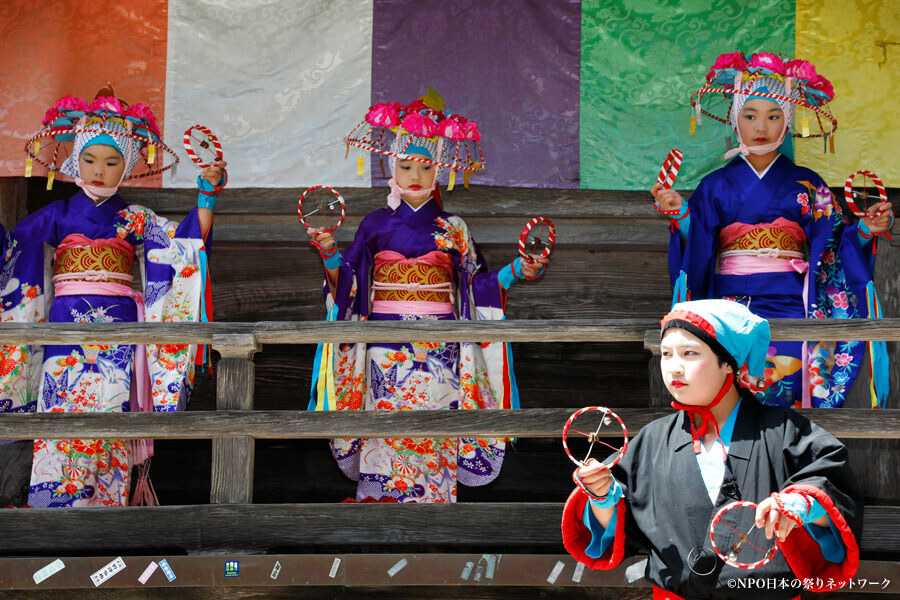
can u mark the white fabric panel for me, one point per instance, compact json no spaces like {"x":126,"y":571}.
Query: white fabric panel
{"x":280,"y":82}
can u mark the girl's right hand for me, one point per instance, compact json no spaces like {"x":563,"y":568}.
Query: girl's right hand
{"x":595,"y":476}
{"x":667,"y":198}
{"x":323,"y":238}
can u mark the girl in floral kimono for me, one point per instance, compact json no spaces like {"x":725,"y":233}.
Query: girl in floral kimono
{"x":769,"y":234}
{"x":414,"y":261}
{"x":71,"y":262}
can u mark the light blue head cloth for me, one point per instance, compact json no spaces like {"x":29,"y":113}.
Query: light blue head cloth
{"x":742,"y":334}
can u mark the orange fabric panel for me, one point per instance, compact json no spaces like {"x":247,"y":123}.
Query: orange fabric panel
{"x":50,"y":49}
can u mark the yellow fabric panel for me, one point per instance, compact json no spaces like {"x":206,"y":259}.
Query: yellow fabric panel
{"x":855,"y":44}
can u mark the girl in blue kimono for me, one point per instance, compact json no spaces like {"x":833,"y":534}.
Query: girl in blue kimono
{"x":414,"y":261}
{"x":769,"y":234}
{"x":71,"y":262}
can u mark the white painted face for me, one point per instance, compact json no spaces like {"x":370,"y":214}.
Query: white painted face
{"x":690,"y":368}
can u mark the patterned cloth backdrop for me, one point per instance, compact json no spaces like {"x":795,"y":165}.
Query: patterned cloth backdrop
{"x":568,"y":93}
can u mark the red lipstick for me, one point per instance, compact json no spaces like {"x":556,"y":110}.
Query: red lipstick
{"x":678,"y":384}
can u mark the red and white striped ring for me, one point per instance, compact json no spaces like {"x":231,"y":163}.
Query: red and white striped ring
{"x":608,"y":416}
{"x":848,"y":192}
{"x":472,"y":167}
{"x":666,"y":178}
{"x":551,"y":241}
{"x":768,"y":554}
{"x":339,"y":199}
{"x":210,"y":137}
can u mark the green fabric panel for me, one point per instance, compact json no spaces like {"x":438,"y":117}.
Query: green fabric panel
{"x":640,"y":62}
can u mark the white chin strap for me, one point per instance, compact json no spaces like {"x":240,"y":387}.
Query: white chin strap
{"x":398,"y":192}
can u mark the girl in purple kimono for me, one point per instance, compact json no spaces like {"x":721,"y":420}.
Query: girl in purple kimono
{"x":413,"y":261}
{"x":769,"y":234}
{"x":71,"y":262}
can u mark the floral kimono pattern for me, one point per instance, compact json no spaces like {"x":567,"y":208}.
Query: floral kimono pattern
{"x":97,"y":377}
{"x":415,"y":375}
{"x":834,"y":281}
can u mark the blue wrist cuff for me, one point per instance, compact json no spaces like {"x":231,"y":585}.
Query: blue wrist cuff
{"x":333,"y":261}
{"x":205,"y":200}
{"x":506,"y":276}
{"x":613,"y":496}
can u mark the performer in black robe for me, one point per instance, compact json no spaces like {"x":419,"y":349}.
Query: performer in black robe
{"x":720,"y":447}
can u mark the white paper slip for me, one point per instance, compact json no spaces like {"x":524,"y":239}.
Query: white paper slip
{"x":467,"y":570}
{"x":551,"y":579}
{"x":636,"y":571}
{"x":579,"y":571}
{"x":335,"y":566}
{"x":397,"y":567}
{"x":276,"y":570}
{"x":44,"y":572}
{"x":108,"y":571}
{"x":151,"y":568}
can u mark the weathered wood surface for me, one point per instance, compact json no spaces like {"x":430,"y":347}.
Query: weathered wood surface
{"x":233,"y":457}
{"x":535,"y":422}
{"x":13,"y":191}
{"x":364,"y":569}
{"x":311,"y":332}
{"x":254,"y":528}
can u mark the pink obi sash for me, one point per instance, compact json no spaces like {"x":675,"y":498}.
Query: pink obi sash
{"x":762,"y":248}
{"x":80,"y":258}
{"x":412,"y":286}
{"x":141,"y":394}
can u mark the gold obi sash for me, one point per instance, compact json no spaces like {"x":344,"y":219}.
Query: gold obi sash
{"x":104,"y":261}
{"x":772,"y":239}
{"x":411,"y":282}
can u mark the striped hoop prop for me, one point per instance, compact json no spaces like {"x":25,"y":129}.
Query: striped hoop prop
{"x":208,"y":143}
{"x":666,"y":178}
{"x":317,"y":205}
{"x":148,"y":152}
{"x":546,"y":246}
{"x":593,"y":438}
{"x":851,"y":197}
{"x":732,"y":554}
{"x":820,"y":111}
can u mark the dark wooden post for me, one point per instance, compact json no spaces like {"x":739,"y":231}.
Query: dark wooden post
{"x":659,"y":395}
{"x":13,"y":192}
{"x":232,"y":457}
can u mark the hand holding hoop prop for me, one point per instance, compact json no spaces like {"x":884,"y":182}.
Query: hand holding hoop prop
{"x":738,"y":541}
{"x":203,"y":147}
{"x":666,"y":177}
{"x":575,"y":429}
{"x":851,"y":196}
{"x":537,"y":239}
{"x":321,"y":207}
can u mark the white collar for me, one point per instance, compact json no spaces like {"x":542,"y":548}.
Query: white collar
{"x":430,"y":198}
{"x":766,"y":170}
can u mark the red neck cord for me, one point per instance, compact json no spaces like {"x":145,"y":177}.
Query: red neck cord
{"x":706,"y":416}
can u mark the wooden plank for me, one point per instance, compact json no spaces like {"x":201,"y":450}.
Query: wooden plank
{"x":439,"y":570}
{"x":311,"y":332}
{"x":254,"y":528}
{"x":13,"y":191}
{"x":233,"y":457}
{"x":283,"y":424}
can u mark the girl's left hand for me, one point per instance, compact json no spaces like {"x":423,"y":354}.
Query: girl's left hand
{"x":531,"y":269}
{"x":213,"y":173}
{"x":768,"y":516}
{"x":882,"y":222}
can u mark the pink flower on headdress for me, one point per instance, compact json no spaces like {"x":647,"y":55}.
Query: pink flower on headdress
{"x":109,"y":103}
{"x":471,"y":130}
{"x":451,"y":129}
{"x":823,"y":85}
{"x":385,"y":114}
{"x":67,"y":102}
{"x":420,"y":125}
{"x":800,"y":69}
{"x":143,"y":112}
{"x":415,"y":106}
{"x":732,"y":60}
{"x":766,"y":60}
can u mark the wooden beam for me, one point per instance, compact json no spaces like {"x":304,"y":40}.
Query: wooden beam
{"x":232,"y":457}
{"x":313,"y":332}
{"x":253,"y":528}
{"x":362,"y":569}
{"x":301,"y":424}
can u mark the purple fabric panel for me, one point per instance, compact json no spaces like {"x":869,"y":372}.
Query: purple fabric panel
{"x":511,"y":66}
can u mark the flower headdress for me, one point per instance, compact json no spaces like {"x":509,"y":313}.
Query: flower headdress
{"x":73,"y":121}
{"x":790,"y":83}
{"x":390,"y":128}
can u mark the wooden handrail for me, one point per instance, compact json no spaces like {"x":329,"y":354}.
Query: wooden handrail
{"x":301,"y":424}
{"x":312,"y":332}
